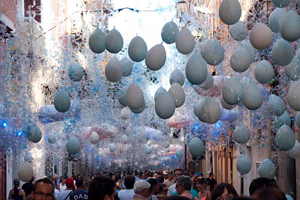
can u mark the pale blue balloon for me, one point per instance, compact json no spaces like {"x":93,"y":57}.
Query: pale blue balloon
{"x":97,"y":41}
{"x":196,"y":69}
{"x":294,"y":95}
{"x":292,"y":70}
{"x":73,"y":145}
{"x":137,"y":49}
{"x":282,"y":52}
{"x":289,"y":27}
{"x":28,"y":157}
{"x":149,"y":149}
{"x":264,"y":72}
{"x":276,"y":18}
{"x":232,"y":91}
{"x":126,"y":66}
{"x":230,"y":11}
{"x":114,"y":41}
{"x":209,"y":111}
{"x":165,"y":105}
{"x":196,"y":147}
{"x":281,"y":120}
{"x":241,"y":134}
{"x":213,"y":52}
{"x":185,"y":41}
{"x":113,"y":70}
{"x":34,"y":133}
{"x":134,"y":97}
{"x":252,"y":97}
{"x":285,"y":138}
{"x":177,"y":77}
{"x":240,"y":60}
{"x":298,"y":119}
{"x":169,"y":32}
{"x":112,"y":147}
{"x":62,"y":102}
{"x":158,"y":92}
{"x":276,"y":105}
{"x":267,"y":169}
{"x":75,"y":72}
{"x":238,"y":31}
{"x":156,"y":57}
{"x":281,"y":3}
{"x":122,"y":95}
{"x":243,"y":164}
{"x":251,"y":50}
{"x":139,"y":110}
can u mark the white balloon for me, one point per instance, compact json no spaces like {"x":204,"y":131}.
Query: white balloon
{"x":51,"y":138}
{"x":134,"y":97}
{"x":97,"y":41}
{"x":208,"y":83}
{"x":289,"y":27}
{"x":94,"y":137}
{"x":267,"y":169}
{"x":75,"y":72}
{"x":238,"y":31}
{"x":252,"y":97}
{"x":282,"y":52}
{"x":285,"y":138}
{"x":276,"y":105}
{"x":185,"y":42}
{"x":177,"y":77}
{"x":264,"y":72}
{"x":156,"y":57}
{"x":25,"y":172}
{"x":240,"y":60}
{"x":232,"y":91}
{"x":261,"y":36}
{"x":294,"y":95}
{"x":114,"y":41}
{"x":196,"y":147}
{"x":243,"y":164}
{"x":28,"y":157}
{"x":241,"y":134}
{"x":169,"y":32}
{"x":113,"y":70}
{"x":126,"y":66}
{"x":137,"y":49}
{"x":276,"y":18}
{"x":62,"y":102}
{"x":34,"y":133}
{"x":165,"y":105}
{"x":73,"y":145}
{"x":281,"y":3}
{"x":213,"y":52}
{"x":196,"y":69}
{"x":178,"y":94}
{"x":230,"y":11}
{"x":125,"y":113}
{"x":112,"y":147}
{"x":295,"y":151}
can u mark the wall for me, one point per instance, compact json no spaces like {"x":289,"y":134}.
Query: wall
{"x":8,"y":8}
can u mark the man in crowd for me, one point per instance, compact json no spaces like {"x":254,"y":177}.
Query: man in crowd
{"x":142,"y":190}
{"x":28,"y":187}
{"x":172,"y":188}
{"x":102,"y":188}
{"x":79,"y":193}
{"x":184,"y":186}
{"x":127,"y":193}
{"x":66,"y":194}
{"x":169,"y":181}
{"x":211,"y":181}
{"x":43,"y":189}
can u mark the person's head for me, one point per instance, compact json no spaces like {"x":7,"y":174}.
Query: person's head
{"x":163,"y":189}
{"x":142,"y":188}
{"x":268,"y":193}
{"x":223,"y":191}
{"x":259,"y":183}
{"x":55,"y":177}
{"x":201,"y":184}
{"x":201,"y":175}
{"x":144,"y":176}
{"x":129,"y":181}
{"x":192,"y":174}
{"x":16,"y":182}
{"x":170,"y":177}
{"x":177,"y":173}
{"x":43,"y":189}
{"x":102,"y":188}
{"x":155,"y":175}
{"x":154,"y":188}
{"x":211,"y":175}
{"x":74,"y":177}
{"x":79,"y":182}
{"x":70,"y":183}
{"x":183,"y":183}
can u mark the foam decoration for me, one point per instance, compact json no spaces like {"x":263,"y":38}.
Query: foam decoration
{"x":208,"y":83}
{"x":165,"y":105}
{"x":251,"y":50}
{"x":112,"y":147}
{"x":196,"y":69}
{"x":51,"y":138}
{"x":126,"y":66}
{"x":281,"y":3}
{"x":158,"y":92}
{"x":238,"y":31}
{"x":114,"y":41}
{"x":208,"y":111}
{"x":73,"y":145}
{"x":225,"y":105}
{"x":25,"y":172}
{"x":28,"y":157}
{"x":241,"y":134}
{"x":113,"y":70}
{"x":283,"y":119}
{"x":295,"y":151}
{"x":292,"y":70}
{"x":75,"y":72}
{"x":185,"y":42}
{"x":230,"y":11}
{"x":261,"y":36}
{"x":267,"y":169}
{"x":125,"y":113}
{"x":94,"y":137}
{"x":243,"y":164}
{"x":137,"y":49}
{"x":264,"y":72}
{"x":178,"y":94}
{"x":232,"y":91}
{"x":293,"y":95}
{"x":298,"y":119}
{"x":169,"y":32}
{"x":276,"y":18}
{"x":34,"y":133}
{"x":62,"y":102}
{"x":282,"y":52}
{"x":177,"y":77}
{"x":196,"y":147}
{"x":276,"y":105}
{"x":139,"y":110}
{"x":134,"y":97}
{"x":149,"y":149}
{"x":240,"y":60}
{"x":252,"y":97}
{"x":97,"y":41}
{"x":122,"y":95}
{"x":213,"y":52}
{"x":289,"y":27}
{"x":285,"y":138}
{"x":156,"y":57}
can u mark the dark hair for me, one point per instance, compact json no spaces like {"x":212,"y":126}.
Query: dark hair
{"x":210,"y":174}
{"x":219,"y":189}
{"x":201,"y":174}
{"x":129,"y":181}
{"x":176,"y":197}
{"x":161,"y":187}
{"x":101,"y":186}
{"x":153,"y":182}
{"x":259,"y":183}
{"x":201,"y":181}
{"x":79,"y":182}
{"x":269,"y":193}
{"x":16,"y":185}
{"x":241,"y":198}
{"x":43,"y":180}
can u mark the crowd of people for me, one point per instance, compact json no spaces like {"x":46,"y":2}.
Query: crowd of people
{"x":142,"y":186}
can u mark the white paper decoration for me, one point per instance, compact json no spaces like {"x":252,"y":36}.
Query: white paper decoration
{"x":113,"y":70}
{"x":267,"y":169}
{"x":114,"y":41}
{"x":33,"y":133}
{"x":196,"y":69}
{"x":112,"y":147}
{"x":51,"y":138}
{"x":261,"y":36}
{"x":292,"y":70}
{"x":213,"y":52}
{"x":28,"y":157}
{"x":94,"y":137}
{"x":282,"y":53}
{"x":295,"y":151}
{"x":196,"y":147}
{"x":177,"y":77}
{"x":264,"y":72}
{"x":169,"y":32}
{"x":238,"y":31}
{"x":241,"y":134}
{"x":289,"y":27}
{"x":134,"y":97}
{"x":75,"y":72}
{"x":243,"y":164}
{"x":178,"y":94}
{"x":276,"y":18}
{"x":230,"y":11}
{"x":185,"y":42}
{"x":294,"y":95}
{"x":137,"y":49}
{"x":276,"y":105}
{"x":73,"y":145}
{"x":25,"y":172}
{"x":97,"y":41}
{"x":252,"y":97}
{"x":126,"y":66}
{"x":240,"y":60}
{"x":156,"y":57}
{"x":165,"y":105}
{"x":285,"y":138}
{"x":232,"y":91}
{"x":62,"y":102}
{"x":281,"y":3}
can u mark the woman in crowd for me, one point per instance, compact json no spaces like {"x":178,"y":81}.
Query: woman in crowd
{"x":16,"y":193}
{"x":223,"y":191}
{"x":203,"y":194}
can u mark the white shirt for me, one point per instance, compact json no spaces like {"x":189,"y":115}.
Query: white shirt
{"x":172,"y":189}
{"x":56,"y":192}
{"x":62,"y":187}
{"x":126,"y":194}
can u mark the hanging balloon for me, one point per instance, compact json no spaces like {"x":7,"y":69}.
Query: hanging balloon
{"x":114,"y":41}
{"x":166,"y":144}
{"x":137,"y":49}
{"x":134,"y":97}
{"x":298,"y":119}
{"x":240,"y":60}
{"x":156,"y":57}
{"x":267,"y":169}
{"x":75,"y":72}
{"x":261,"y":36}
{"x":178,"y":153}
{"x":126,"y":66}
{"x":276,"y":105}
{"x":177,"y":77}
{"x":241,"y":134}
{"x":208,"y":110}
{"x":113,"y":70}
{"x":238,"y":31}
{"x":51,"y":138}
{"x":185,"y":42}
{"x":122,"y":95}
{"x":139,"y":110}
{"x":264,"y":72}
{"x":232,"y":91}
{"x":281,"y":120}
{"x":25,"y":172}
{"x":112,"y":147}
{"x":28,"y":157}
{"x":251,"y":50}
{"x":289,"y":27}
{"x":282,"y":53}
{"x":252,"y":97}
{"x":281,"y":3}
{"x":230,"y":11}
{"x":295,"y":151}
{"x":196,"y":69}
{"x":149,"y":149}
{"x":293,"y":95}
{"x":158,"y":92}
{"x":34,"y":133}
{"x":73,"y":145}
{"x":225,"y":105}
{"x":292,"y":70}
{"x":196,"y":147}
{"x":97,"y":41}
{"x":208,"y":83}
{"x":94,"y":137}
{"x":125,"y":113}
{"x":285,"y":138}
{"x":243,"y":164}
{"x":178,"y":94}
{"x":62,"y":102}
{"x":276,"y":18}
{"x":165,"y":105}
{"x":169,"y":32}
{"x":213,"y":52}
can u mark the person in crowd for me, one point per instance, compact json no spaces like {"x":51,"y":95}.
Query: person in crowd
{"x":127,"y":193}
{"x":268,"y":193}
{"x":163,"y":189}
{"x":66,"y":194}
{"x":176,"y":197}
{"x":154,"y":188}
{"x":201,"y":175}
{"x":169,"y":181}
{"x":160,"y":178}
{"x":194,"y":180}
{"x":43,"y":189}
{"x":28,"y":187}
{"x":172,"y":188}
{"x":184,"y":186}
{"x":203,"y":193}
{"x":259,"y":183}
{"x":223,"y":191}
{"x":55,"y":181}
{"x":141,"y":190}
{"x":62,"y":185}
{"x":211,"y":181}
{"x":102,"y":188}
{"x":144,"y":177}
{"x":80,"y":193}
{"x":16,"y":193}
{"x":192,"y":174}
